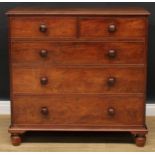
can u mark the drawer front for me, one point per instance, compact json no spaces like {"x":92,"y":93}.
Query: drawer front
{"x":43,"y":27}
{"x":81,"y":110}
{"x":94,"y":27}
{"x":52,"y":80}
{"x":65,"y":53}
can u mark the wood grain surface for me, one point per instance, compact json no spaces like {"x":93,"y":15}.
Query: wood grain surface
{"x":78,"y":70}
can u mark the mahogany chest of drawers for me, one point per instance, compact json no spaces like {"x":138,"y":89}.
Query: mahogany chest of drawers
{"x":78,"y":70}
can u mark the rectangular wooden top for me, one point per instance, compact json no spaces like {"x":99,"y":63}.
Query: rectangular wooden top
{"x":78,"y":11}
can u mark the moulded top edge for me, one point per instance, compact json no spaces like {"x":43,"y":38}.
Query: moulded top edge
{"x":78,"y":11}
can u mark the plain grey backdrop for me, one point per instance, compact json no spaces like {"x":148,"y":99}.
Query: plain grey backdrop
{"x":4,"y":61}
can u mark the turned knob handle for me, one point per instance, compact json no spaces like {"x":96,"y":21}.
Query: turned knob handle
{"x":111,"y":81}
{"x":44,"y":110}
{"x":43,"y":53}
{"x":43,"y":80}
{"x":112,"y":53}
{"x":111,"y":111}
{"x":112,"y":28}
{"x":43,"y":28}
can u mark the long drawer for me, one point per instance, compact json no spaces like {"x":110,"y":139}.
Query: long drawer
{"x":78,"y":53}
{"x":73,"y":27}
{"x":61,"y":79}
{"x":86,"y":110}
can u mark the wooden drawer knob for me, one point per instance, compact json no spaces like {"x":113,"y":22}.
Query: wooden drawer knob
{"x":43,"y":28}
{"x":111,"y":81}
{"x":112,"y":28}
{"x":43,"y":80}
{"x":43,"y":53}
{"x":44,"y":111}
{"x":111,"y":111}
{"x":112,"y":53}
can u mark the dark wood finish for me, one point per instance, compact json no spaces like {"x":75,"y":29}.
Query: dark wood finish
{"x":112,"y":53}
{"x":43,"y":27}
{"x":98,"y":27}
{"x":88,"y":27}
{"x":44,"y":111}
{"x":75,"y":53}
{"x":16,"y":139}
{"x":122,"y":11}
{"x":111,"y":111}
{"x":43,"y":80}
{"x":111,"y":81}
{"x":43,"y":53}
{"x":88,"y":110}
{"x":112,"y":28}
{"x":78,"y":70}
{"x":140,"y":140}
{"x":51,"y":80}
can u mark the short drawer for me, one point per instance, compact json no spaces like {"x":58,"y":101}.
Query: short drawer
{"x":51,"y":80}
{"x":84,"y":110}
{"x":78,"y":53}
{"x":43,"y":27}
{"x":113,"y":27}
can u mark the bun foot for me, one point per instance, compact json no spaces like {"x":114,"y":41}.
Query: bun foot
{"x":140,"y":140}
{"x":16,"y":140}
